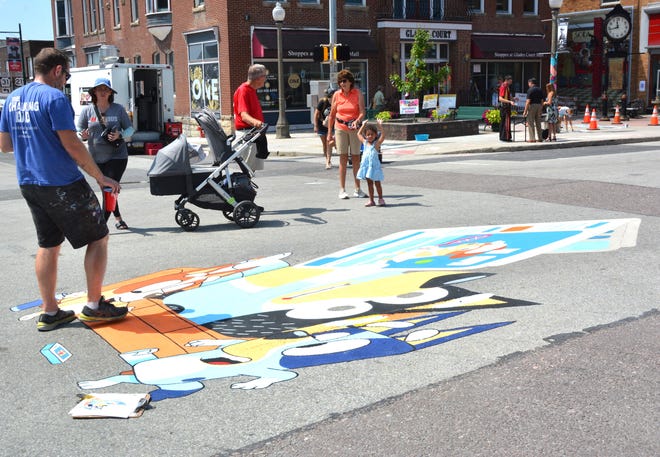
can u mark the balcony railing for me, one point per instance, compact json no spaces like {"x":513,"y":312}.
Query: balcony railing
{"x":436,"y":10}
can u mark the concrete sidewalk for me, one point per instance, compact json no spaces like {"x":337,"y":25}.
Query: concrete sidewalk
{"x":306,"y":143}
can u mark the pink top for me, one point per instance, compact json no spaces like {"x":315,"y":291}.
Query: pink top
{"x":348,"y":107}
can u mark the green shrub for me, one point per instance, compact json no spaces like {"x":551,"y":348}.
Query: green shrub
{"x":384,"y":116}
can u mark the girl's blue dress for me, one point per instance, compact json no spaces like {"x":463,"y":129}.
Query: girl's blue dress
{"x":370,"y":165}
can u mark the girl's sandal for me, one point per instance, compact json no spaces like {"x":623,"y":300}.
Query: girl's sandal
{"x":121,"y":225}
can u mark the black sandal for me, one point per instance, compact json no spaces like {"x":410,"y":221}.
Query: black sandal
{"x":121,"y":225}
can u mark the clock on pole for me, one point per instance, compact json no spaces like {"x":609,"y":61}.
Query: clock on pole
{"x":617,"y":24}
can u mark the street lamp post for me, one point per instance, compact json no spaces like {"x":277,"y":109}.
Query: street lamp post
{"x":282,"y":126}
{"x":554,"y":8}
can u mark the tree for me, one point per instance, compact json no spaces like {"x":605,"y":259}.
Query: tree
{"x":418,"y":78}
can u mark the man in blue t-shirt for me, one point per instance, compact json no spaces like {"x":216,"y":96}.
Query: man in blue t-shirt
{"x":37,"y":124}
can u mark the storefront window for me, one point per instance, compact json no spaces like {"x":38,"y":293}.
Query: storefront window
{"x":296,"y":82}
{"x":437,"y":52}
{"x":203,"y":71}
{"x":576,"y":67}
{"x":297,"y":79}
{"x":486,"y":77}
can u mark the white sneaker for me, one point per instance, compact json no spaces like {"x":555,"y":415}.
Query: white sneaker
{"x":343,"y":195}
{"x":359,"y":194}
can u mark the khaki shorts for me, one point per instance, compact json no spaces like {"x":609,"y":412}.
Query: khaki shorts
{"x":347,"y":140}
{"x":250,"y":153}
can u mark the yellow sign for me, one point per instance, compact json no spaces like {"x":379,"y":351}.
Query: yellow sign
{"x":294,"y":80}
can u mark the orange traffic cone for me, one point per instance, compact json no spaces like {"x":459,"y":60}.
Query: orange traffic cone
{"x":593,"y":123}
{"x":654,"y":116}
{"x":586,"y":119}
{"x":617,"y":116}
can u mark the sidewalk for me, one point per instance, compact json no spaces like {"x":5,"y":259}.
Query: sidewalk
{"x":306,"y":143}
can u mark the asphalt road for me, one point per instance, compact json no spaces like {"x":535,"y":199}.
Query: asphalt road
{"x":576,"y":374}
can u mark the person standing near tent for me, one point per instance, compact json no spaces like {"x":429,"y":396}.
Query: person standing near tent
{"x":506,"y":104}
{"x":532,"y":112}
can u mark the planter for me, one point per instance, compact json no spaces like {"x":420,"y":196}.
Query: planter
{"x":405,"y":129}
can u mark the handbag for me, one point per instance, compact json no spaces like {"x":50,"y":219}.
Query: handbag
{"x":326,"y":116}
{"x":107,"y":130}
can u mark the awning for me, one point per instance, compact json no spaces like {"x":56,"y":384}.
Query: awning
{"x":299,"y":44}
{"x":500,"y":47}
{"x":654,"y":30}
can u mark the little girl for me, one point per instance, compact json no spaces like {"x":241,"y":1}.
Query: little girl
{"x":370,"y":165}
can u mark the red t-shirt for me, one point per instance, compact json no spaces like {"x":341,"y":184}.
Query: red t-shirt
{"x":246,"y":101}
{"x":505,"y":93}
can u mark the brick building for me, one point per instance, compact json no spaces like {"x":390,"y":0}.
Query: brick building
{"x":16,"y":66}
{"x":595,"y":63}
{"x":210,"y":44}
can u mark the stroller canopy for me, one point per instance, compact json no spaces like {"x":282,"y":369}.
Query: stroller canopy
{"x":173,"y":159}
{"x":216,"y":137}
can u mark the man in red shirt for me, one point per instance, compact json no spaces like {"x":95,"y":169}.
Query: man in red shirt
{"x":248,"y":113}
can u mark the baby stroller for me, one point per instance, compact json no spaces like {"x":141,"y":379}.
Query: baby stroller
{"x":208,"y":183}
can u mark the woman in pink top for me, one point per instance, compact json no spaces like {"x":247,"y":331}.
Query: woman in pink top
{"x":346,"y":115}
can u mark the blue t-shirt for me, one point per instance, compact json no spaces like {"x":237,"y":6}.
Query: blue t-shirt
{"x":32,"y":116}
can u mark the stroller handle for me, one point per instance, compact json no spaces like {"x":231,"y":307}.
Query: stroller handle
{"x":254,"y":132}
{"x":262,"y":129}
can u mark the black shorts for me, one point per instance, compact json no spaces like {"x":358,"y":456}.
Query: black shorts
{"x":72,"y":212}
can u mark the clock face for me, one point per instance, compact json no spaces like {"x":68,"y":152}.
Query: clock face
{"x":617,"y":27}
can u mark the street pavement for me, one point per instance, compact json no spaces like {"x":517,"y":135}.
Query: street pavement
{"x":576,"y":374}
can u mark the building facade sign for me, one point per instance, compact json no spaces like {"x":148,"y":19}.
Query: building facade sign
{"x":435,"y":34}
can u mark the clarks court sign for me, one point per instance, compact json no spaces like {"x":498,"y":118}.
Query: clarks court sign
{"x":435,"y":34}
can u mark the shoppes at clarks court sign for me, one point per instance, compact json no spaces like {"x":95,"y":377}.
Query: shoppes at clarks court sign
{"x":434,"y":34}
{"x":305,"y":54}
{"x":517,"y":54}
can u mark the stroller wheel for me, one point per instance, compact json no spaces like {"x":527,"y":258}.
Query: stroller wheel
{"x":246,"y":214}
{"x":229,"y":215}
{"x":188,"y":220}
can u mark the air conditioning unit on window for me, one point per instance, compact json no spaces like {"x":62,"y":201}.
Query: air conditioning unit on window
{"x":108,"y":54}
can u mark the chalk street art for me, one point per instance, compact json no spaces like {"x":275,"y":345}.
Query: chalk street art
{"x":264,"y":321}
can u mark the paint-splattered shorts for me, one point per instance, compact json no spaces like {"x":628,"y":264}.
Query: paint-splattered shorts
{"x":72,"y":212}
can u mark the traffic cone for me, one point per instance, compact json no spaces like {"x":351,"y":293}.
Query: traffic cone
{"x":593,"y":123}
{"x":617,"y":116}
{"x":654,"y":116}
{"x":586,"y":119}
